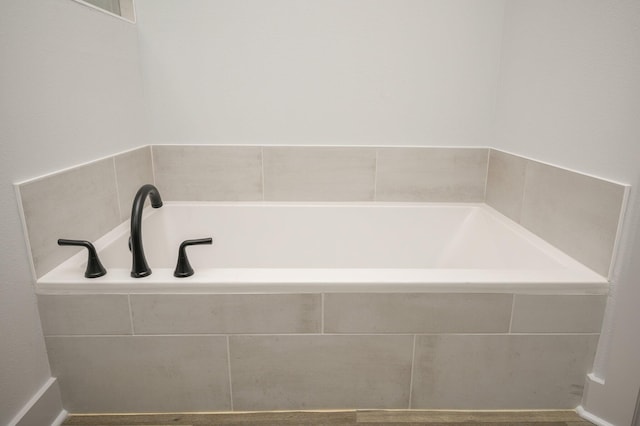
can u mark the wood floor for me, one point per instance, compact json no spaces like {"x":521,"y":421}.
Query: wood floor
{"x":355,"y":417}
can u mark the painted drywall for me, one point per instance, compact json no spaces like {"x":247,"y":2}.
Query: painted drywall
{"x":386,"y":72}
{"x":569,"y":94}
{"x":71,"y":92}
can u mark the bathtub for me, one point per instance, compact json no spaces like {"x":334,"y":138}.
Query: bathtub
{"x":263,"y":247}
{"x":324,"y":306}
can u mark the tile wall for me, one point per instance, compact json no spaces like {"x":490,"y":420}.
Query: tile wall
{"x":160,"y":353}
{"x":215,"y":173}
{"x":577,"y":213}
{"x":81,"y":203}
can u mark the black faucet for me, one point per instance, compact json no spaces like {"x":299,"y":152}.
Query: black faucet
{"x":139,"y":267}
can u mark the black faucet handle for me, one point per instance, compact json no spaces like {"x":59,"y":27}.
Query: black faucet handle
{"x":94,"y":266}
{"x":183,"y":267}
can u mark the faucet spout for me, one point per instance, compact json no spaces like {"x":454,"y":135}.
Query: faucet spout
{"x":139,"y":267}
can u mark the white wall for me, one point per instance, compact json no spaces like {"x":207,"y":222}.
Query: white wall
{"x":569,"y":94}
{"x":71,"y":92}
{"x":391,"y":72}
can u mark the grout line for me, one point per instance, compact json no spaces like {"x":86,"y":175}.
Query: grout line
{"x":522,"y":194}
{"x":513,"y":306}
{"x":153,"y":165}
{"x":413,"y":361}
{"x":322,"y":145}
{"x":115,"y":175}
{"x":375,"y":177}
{"x":486,"y":176}
{"x":537,"y":333}
{"x":322,"y":313}
{"x":133,"y":331}
{"x":229,"y":369}
{"x":262,"y":169}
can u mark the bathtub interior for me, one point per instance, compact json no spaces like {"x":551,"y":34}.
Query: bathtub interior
{"x":333,"y":236}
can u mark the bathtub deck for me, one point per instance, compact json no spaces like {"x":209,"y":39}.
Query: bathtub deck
{"x":348,"y":417}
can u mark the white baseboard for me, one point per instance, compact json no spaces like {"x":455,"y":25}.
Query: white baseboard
{"x":60,"y":419}
{"x":44,"y":408}
{"x":591,"y":417}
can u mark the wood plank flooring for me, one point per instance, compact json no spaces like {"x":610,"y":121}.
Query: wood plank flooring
{"x":345,"y":417}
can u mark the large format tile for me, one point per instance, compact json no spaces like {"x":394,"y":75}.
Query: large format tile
{"x":558,"y":314}
{"x":431,"y":174}
{"x":133,"y":169}
{"x":578,"y":214}
{"x":319,"y":174}
{"x":417,"y":313}
{"x":505,"y":183}
{"x":314,"y":372}
{"x":208,"y":173}
{"x":141,"y":374}
{"x":84,"y":314}
{"x":79,"y":203}
{"x":232,"y":313}
{"x":501,"y":371}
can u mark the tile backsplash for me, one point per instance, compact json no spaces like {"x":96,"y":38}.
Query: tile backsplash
{"x":319,"y":174}
{"x":431,"y":174}
{"x":208,"y":173}
{"x":81,"y":203}
{"x":577,"y":213}
{"x":133,"y":169}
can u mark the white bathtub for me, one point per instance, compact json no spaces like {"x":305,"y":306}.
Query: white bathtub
{"x":331,"y":247}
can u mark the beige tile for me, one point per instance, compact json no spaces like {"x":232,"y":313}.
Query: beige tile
{"x":320,"y":372}
{"x":558,"y":314}
{"x":141,"y":374}
{"x":208,"y":173}
{"x":84,"y":314}
{"x":234,"y":313}
{"x":80,"y":203}
{"x":133,"y":169}
{"x":505,"y":183}
{"x":576,"y":213}
{"x":501,"y":371}
{"x":417,"y":313}
{"x":319,"y":174}
{"x":431,"y":174}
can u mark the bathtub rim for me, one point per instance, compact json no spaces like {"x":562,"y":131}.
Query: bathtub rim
{"x":574,"y":279}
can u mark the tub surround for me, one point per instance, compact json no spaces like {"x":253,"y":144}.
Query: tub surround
{"x":82,"y":202}
{"x":149,"y":314}
{"x":431,"y":174}
{"x":133,"y":351}
{"x":133,"y":169}
{"x":271,"y":173}
{"x":208,"y":173}
{"x":313,"y":351}
{"x":577,"y":213}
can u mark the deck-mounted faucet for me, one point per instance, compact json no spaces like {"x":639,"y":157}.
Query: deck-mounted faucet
{"x":139,"y":267}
